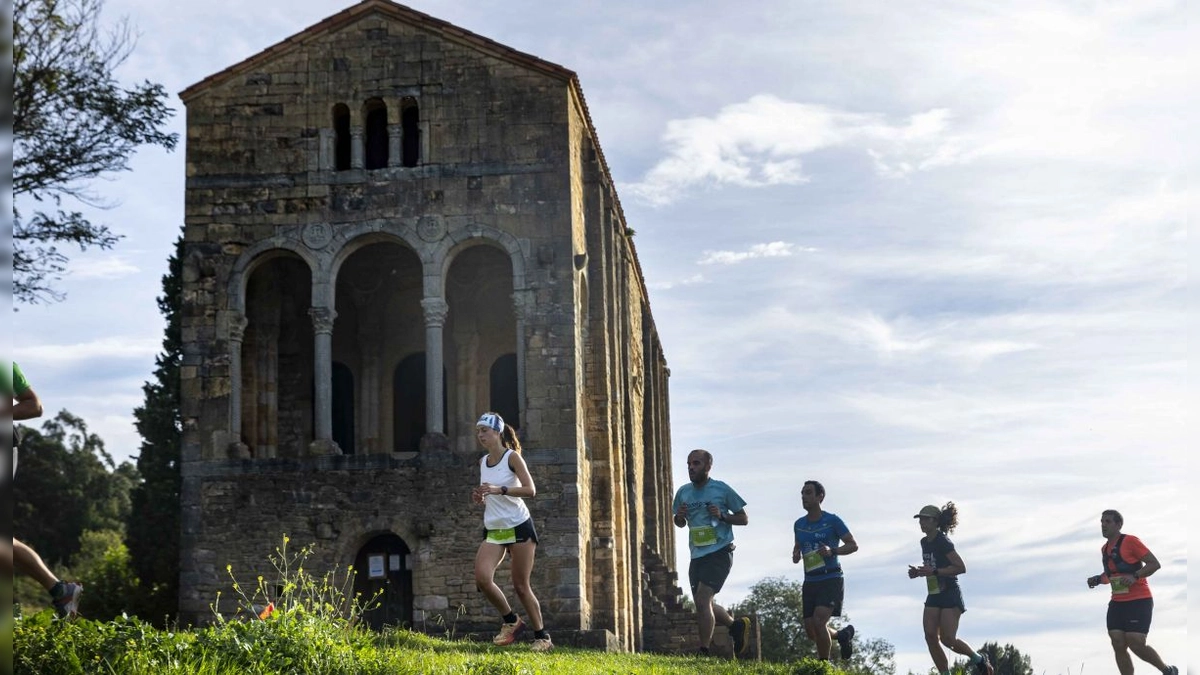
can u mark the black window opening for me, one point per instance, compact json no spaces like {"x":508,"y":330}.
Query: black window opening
{"x":343,"y":408}
{"x":409,"y":403}
{"x":410,"y":127}
{"x":503,"y":389}
{"x":375,"y":155}
{"x":341,"y":137}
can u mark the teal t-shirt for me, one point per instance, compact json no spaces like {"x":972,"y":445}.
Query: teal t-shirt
{"x":705,"y":533}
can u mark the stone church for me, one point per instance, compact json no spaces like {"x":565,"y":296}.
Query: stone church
{"x":393,"y":225}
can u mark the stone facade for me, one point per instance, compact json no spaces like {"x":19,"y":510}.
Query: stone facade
{"x":393,"y":225}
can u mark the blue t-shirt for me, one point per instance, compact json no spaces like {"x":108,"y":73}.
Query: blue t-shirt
{"x":705,"y":533}
{"x":828,"y":530}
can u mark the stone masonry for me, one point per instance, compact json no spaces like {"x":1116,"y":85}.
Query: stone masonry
{"x":393,"y":225}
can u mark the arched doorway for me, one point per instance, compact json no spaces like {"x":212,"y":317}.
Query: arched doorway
{"x":382,"y":568}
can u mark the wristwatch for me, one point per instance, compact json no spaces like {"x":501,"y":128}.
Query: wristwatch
{"x":503,"y":489}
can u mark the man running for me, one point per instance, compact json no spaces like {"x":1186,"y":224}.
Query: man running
{"x":709,"y":509}
{"x":820,"y":538}
{"x":1127,"y":563}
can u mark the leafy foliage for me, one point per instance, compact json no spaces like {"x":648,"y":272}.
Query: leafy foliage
{"x":1007,"y":660}
{"x":779,"y":604}
{"x":153,"y":526}
{"x":68,"y":484}
{"x":72,"y":122}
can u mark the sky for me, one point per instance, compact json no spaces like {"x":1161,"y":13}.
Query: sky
{"x":917,"y":251}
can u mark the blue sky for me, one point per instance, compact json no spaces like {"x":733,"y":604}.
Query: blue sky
{"x":918,"y":251}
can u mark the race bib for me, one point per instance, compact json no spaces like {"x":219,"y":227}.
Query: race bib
{"x":933,"y":584}
{"x":813,"y":561}
{"x":1118,"y":585}
{"x":703,"y":535}
{"x":506,"y":536}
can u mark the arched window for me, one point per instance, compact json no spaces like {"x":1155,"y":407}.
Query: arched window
{"x":410,"y":125}
{"x":375,"y":155}
{"x":503,"y":389}
{"x":408,"y":403}
{"x":341,"y":137}
{"x":343,"y":407}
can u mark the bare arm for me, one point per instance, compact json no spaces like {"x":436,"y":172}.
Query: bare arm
{"x":739,"y":518}
{"x":848,"y":545}
{"x":957,"y":566}
{"x":27,"y":407}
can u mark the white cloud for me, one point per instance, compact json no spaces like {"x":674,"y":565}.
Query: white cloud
{"x":106,"y":348}
{"x":775,"y":249}
{"x":761,"y":142}
{"x":106,"y":267}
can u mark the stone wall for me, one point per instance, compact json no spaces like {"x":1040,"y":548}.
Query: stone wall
{"x":299,"y":260}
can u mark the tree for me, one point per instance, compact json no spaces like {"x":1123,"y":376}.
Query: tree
{"x":1006,"y":660}
{"x":69,"y":484}
{"x":153,"y":529}
{"x":72,"y":122}
{"x":779,"y":604}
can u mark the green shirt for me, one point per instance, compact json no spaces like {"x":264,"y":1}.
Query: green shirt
{"x":15,"y":386}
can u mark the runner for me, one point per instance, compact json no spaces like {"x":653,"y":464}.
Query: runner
{"x":504,"y":484}
{"x":818,"y":534}
{"x":710,"y":509}
{"x":941,"y":565}
{"x":1127,"y":563}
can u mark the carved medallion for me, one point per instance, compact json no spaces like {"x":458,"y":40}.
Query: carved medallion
{"x":317,"y":235}
{"x":431,"y":229}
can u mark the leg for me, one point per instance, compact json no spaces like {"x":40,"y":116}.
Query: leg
{"x":931,"y":622}
{"x":487,"y":559}
{"x":28,"y":562}
{"x":821,"y":634}
{"x":721,"y":616}
{"x":1137,"y":645}
{"x":703,"y":595}
{"x":522,"y":568}
{"x":948,"y":626}
{"x":1121,"y":651}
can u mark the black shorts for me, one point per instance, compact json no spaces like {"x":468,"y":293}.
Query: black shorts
{"x":1131,"y":616}
{"x":711,"y":570}
{"x":950,"y":597}
{"x":824,"y":593}
{"x":525,"y":532}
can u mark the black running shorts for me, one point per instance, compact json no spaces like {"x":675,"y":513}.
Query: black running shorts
{"x":525,"y":532}
{"x":1131,"y":616}
{"x":949,"y":598}
{"x":824,"y":593}
{"x":711,"y":570}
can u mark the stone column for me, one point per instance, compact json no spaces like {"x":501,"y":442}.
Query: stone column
{"x":435,"y":318}
{"x":237,"y":333}
{"x":523,"y":309}
{"x":394,"y":144}
{"x":322,"y":318}
{"x":370,"y":340}
{"x":357,"y":151}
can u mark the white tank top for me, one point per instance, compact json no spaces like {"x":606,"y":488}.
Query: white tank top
{"x":501,"y":512}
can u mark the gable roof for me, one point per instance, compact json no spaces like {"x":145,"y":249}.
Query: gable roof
{"x":388,"y":9}
{"x":447,"y":31}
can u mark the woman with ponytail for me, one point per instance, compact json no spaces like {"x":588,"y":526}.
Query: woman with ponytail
{"x":504,"y":484}
{"x":944,"y":606}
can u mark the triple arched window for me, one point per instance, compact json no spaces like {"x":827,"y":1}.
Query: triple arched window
{"x":379,"y":149}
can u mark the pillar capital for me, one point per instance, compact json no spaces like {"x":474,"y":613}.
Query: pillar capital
{"x":435,"y":311}
{"x":237,"y":328}
{"x":322,"y":318}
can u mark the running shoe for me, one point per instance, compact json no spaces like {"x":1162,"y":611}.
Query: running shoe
{"x":738,"y":632}
{"x":66,"y":599}
{"x":983,"y":667}
{"x":844,"y":636}
{"x":508,"y":633}
{"x":542,"y":645}
{"x":1171,"y":670}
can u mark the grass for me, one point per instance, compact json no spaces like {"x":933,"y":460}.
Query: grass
{"x":314,"y":628}
{"x":44,"y":645}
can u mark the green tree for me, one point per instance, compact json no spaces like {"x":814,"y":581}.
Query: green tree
{"x":72,"y":122}
{"x":69,"y":484}
{"x":153,"y":529}
{"x":103,"y":566}
{"x":1006,"y":660}
{"x":779,"y":604}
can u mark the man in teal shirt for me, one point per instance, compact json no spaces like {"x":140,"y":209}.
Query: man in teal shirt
{"x":710,"y":509}
{"x":21,"y":403}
